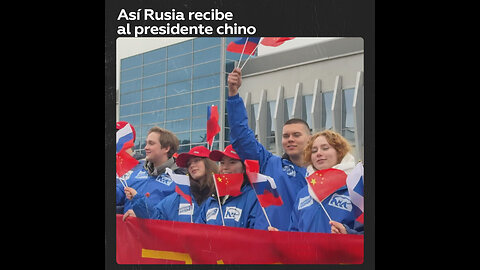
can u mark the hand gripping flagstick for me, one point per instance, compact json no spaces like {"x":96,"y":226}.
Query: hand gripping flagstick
{"x":218,"y":198}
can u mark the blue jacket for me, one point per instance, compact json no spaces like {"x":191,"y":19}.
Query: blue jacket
{"x":159,"y":187}
{"x":174,"y":207}
{"x":309,"y":216}
{"x":288,"y":177}
{"x":238,"y":211}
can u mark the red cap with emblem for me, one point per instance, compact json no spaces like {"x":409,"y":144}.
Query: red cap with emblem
{"x":197,"y":151}
{"x":229,"y":152}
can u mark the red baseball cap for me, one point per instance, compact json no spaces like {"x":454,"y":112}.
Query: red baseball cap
{"x":229,"y":152}
{"x":197,"y":151}
{"x":121,"y":124}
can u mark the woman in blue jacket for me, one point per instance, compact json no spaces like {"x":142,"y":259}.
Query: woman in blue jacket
{"x":238,"y":211}
{"x":326,"y":149}
{"x":175,"y":207}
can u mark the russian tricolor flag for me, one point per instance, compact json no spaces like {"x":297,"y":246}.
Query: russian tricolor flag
{"x":263,"y":185}
{"x":239,"y":46}
{"x":182,"y":186}
{"x":355,"y":190}
{"x":212,"y":123}
{"x":124,"y":138}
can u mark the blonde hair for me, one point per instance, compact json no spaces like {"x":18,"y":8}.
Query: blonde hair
{"x":167,"y":138}
{"x":337,"y":141}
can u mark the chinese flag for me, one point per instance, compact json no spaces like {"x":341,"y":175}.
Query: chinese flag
{"x":325,"y":182}
{"x":274,"y":41}
{"x":212,"y":123}
{"x":229,"y":184}
{"x":125,"y":162}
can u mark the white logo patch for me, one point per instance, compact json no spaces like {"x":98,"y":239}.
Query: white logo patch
{"x":212,"y":213}
{"x":305,"y":202}
{"x":185,"y":209}
{"x":164,"y":179}
{"x":233,"y":213}
{"x":341,"y":202}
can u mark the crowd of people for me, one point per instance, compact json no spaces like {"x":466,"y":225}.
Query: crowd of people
{"x":151,"y":191}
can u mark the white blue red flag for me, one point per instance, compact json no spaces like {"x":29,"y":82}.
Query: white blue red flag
{"x":355,"y":190}
{"x":124,"y":138}
{"x":243,"y":45}
{"x":212,"y":123}
{"x":182,"y":186}
{"x":263,"y":185}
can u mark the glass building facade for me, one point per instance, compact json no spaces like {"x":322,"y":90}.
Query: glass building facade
{"x":171,"y":87}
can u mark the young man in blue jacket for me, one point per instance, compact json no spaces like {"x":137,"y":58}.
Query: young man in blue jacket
{"x":287,"y":171}
{"x":151,"y":178}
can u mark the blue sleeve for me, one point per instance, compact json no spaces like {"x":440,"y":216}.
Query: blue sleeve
{"x":242,"y":137}
{"x":357,"y":228}
{"x":251,"y":219}
{"x":141,"y":209}
{"x":120,"y":194}
{"x":293,"y":226}
{"x":201,"y":218}
{"x":261,"y":222}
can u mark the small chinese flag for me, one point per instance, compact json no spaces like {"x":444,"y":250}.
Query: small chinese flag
{"x":325,"y":182}
{"x":229,"y":184}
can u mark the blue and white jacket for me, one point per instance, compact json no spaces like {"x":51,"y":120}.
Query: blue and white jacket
{"x":289,"y":178}
{"x":238,"y":211}
{"x":145,"y":180}
{"x":309,"y":216}
{"x":174,"y":207}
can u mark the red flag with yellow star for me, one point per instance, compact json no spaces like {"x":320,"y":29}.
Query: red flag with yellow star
{"x":229,"y":184}
{"x":325,"y":182}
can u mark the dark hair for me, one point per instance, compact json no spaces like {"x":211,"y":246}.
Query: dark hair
{"x":298,"y":121}
{"x":204,"y":187}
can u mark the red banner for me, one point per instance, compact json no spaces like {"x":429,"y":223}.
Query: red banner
{"x":148,"y":241}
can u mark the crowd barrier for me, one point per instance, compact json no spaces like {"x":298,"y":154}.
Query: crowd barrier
{"x":147,"y":241}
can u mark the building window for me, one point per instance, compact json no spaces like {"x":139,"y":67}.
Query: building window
{"x":171,"y":87}
{"x":327,"y":110}
{"x":270,"y":125}
{"x":348,"y":128}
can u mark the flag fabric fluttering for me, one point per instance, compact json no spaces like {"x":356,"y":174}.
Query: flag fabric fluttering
{"x":263,"y":185}
{"x":124,"y":138}
{"x":355,"y":190}
{"x":239,"y":46}
{"x":182,"y":184}
{"x":325,"y":182}
{"x":274,"y":41}
{"x":229,"y":184}
{"x":124,"y":163}
{"x":212,"y":123}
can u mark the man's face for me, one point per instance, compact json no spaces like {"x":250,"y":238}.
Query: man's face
{"x":153,"y":150}
{"x":294,"y":139}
